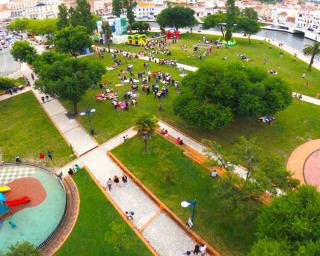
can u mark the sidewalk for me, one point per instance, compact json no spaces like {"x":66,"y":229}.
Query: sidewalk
{"x":164,"y":235}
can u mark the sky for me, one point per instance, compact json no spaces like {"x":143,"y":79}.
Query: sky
{"x":3,"y":1}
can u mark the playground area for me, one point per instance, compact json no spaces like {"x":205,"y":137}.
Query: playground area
{"x":32,"y":204}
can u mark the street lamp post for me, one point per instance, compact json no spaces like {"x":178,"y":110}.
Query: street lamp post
{"x":187,"y":204}
{"x":88,"y":114}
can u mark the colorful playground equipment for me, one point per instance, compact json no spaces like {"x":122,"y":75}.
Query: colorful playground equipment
{"x":4,"y":189}
{"x":232,"y":42}
{"x":173,"y":34}
{"x":5,"y":204}
{"x":137,"y":39}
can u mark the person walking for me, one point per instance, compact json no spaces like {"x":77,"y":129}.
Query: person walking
{"x":124,"y":179}
{"x":196,"y":250}
{"x":116,"y":180}
{"x":42,"y":98}
{"x":109,"y":184}
{"x":32,"y":76}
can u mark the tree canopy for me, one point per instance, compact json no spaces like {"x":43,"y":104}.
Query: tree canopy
{"x":63,"y":17}
{"x":245,"y":21}
{"x":82,"y":16}
{"x":21,"y":249}
{"x":176,"y":17}
{"x":116,"y":7}
{"x":39,"y":27}
{"x":65,"y":77}
{"x":23,"y":51}
{"x":72,"y":40}
{"x":294,"y":217}
{"x":140,"y":26}
{"x":146,"y":126}
{"x":213,"y":96}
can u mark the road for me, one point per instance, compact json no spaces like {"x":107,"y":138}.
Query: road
{"x":7,"y":64}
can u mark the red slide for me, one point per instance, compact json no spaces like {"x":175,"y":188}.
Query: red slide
{"x":21,"y":200}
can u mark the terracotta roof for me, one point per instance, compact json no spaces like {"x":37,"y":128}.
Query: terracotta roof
{"x":3,"y":7}
{"x":145,"y":4}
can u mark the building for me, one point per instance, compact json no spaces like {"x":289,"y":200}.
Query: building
{"x":4,"y":12}
{"x":309,"y":20}
{"x":148,"y":9}
{"x":33,"y":9}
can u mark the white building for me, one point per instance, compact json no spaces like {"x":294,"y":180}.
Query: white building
{"x":308,"y":20}
{"x":33,"y":9}
{"x":148,"y":9}
{"x":4,"y":12}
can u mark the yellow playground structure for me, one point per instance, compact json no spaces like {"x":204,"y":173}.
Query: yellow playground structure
{"x":137,"y":39}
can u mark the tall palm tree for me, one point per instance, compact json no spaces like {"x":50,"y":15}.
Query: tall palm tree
{"x":312,"y":50}
{"x":107,"y":32}
{"x":146,"y":125}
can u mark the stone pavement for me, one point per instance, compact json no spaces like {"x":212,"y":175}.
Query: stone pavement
{"x":164,"y":235}
{"x":297,"y":159}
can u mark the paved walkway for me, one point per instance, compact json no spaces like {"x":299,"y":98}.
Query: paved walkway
{"x":297,"y":159}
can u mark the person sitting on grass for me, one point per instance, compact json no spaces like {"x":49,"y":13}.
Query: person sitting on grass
{"x":214,"y":174}
{"x":164,"y":132}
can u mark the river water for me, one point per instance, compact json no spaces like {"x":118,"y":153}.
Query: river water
{"x":293,"y":40}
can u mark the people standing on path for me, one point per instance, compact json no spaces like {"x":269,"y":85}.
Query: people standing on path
{"x":124,"y":179}
{"x":203,"y":249}
{"x":196,"y":249}
{"x":32,"y":76}
{"x":129,"y":215}
{"x":116,"y":180}
{"x":42,"y":98}
{"x":109,"y":184}
{"x":47,"y":98}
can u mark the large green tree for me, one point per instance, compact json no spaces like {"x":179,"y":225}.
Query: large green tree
{"x":231,"y":18}
{"x":216,"y":20}
{"x":250,"y":13}
{"x":82,"y":16}
{"x":19,"y":25}
{"x":293,"y":217}
{"x":177,"y":17}
{"x":215,"y":94}
{"x":270,"y":248}
{"x":63,"y":17}
{"x":23,"y":51}
{"x":248,"y":26}
{"x":23,"y":249}
{"x":313,"y":51}
{"x":72,"y":40}
{"x":107,"y":32}
{"x":146,"y":126}
{"x":140,"y":26}
{"x":67,"y":78}
{"x":116,"y":7}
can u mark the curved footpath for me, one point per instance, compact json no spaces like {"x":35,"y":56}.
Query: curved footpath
{"x":304,"y":169}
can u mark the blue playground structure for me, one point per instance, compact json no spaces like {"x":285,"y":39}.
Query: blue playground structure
{"x":3,"y":206}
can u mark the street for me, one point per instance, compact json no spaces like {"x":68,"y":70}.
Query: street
{"x":7,"y":64}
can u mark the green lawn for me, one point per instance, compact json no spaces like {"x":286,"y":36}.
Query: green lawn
{"x":293,"y":126}
{"x":26,"y":131}
{"x":174,"y":178}
{"x":94,"y":220}
{"x":288,"y":67}
{"x":108,"y":122}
